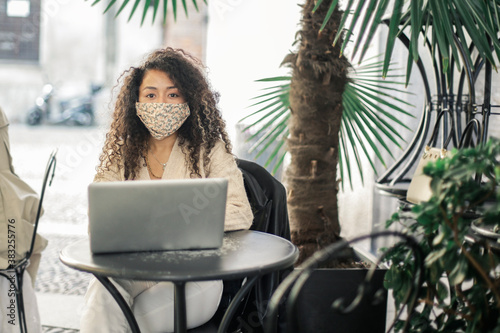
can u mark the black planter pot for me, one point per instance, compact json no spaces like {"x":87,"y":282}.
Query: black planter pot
{"x":314,"y":304}
{"x":360,"y":300}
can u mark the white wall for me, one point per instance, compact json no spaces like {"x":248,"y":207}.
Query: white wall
{"x":247,"y":40}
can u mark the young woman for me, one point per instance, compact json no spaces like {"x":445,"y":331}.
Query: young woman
{"x":166,"y":125}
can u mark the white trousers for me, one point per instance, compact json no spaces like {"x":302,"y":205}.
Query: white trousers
{"x":152,"y":304}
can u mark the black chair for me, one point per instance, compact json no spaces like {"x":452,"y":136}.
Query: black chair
{"x":19,"y":267}
{"x":267,"y":197}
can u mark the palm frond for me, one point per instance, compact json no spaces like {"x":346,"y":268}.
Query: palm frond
{"x":393,"y":32}
{"x":347,"y":148}
{"x":274,"y":106}
{"x":369,"y":119}
{"x":150,"y":5}
{"x":474,"y":21}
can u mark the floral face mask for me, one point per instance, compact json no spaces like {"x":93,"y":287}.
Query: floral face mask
{"x":162,"y":119}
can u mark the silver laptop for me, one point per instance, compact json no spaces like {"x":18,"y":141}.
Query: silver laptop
{"x":157,"y":215}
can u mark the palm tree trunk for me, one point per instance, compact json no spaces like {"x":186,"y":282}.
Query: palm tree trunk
{"x":319,"y":76}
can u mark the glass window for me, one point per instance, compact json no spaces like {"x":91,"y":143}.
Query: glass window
{"x":20,"y":30}
{"x":18,"y":8}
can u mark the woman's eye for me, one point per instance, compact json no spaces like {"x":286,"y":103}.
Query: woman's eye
{"x":173,"y":95}
{"x":150,"y":95}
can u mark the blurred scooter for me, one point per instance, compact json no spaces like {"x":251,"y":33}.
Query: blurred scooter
{"x":74,"y":111}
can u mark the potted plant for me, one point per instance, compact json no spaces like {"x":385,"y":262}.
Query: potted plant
{"x":461,"y":283}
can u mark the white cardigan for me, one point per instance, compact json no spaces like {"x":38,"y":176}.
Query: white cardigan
{"x":222,"y":165}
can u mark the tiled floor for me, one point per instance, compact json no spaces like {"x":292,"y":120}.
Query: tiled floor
{"x":59,"y":289}
{"x":56,"y":278}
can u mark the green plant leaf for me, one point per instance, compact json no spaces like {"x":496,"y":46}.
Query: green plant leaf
{"x":280,"y":158}
{"x":156,"y":5}
{"x":442,"y":291}
{"x":318,"y":3}
{"x":364,"y":24}
{"x":459,"y":272}
{"x":328,"y":14}
{"x":355,"y":120}
{"x":380,"y":91}
{"x":439,"y":30}
{"x":462,"y":38}
{"x":392,"y":35}
{"x":416,"y":27}
{"x":470,"y":20}
{"x":379,"y":12}
{"x":434,"y":256}
{"x":174,"y":9}
{"x":274,"y":114}
{"x":279,"y":121}
{"x":125,"y":2}
{"x":344,"y":163}
{"x":342,"y":23}
{"x":348,"y":133}
{"x":497,"y":16}
{"x":466,"y":13}
{"x":145,"y":11}
{"x":184,"y":5}
{"x":378,"y":125}
{"x":481,"y":21}
{"x":151,"y":5}
{"x":355,"y":17}
{"x":165,"y":11}
{"x":409,"y":65}
{"x":111,"y":3}
{"x":384,"y":101}
{"x":134,"y":8}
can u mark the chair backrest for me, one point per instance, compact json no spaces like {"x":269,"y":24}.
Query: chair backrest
{"x":49,"y":173}
{"x":267,"y":197}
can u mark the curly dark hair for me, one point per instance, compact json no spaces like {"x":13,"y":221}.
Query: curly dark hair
{"x":126,"y":141}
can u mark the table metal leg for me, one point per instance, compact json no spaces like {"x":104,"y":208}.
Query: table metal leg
{"x":180,"y":307}
{"x":233,"y":307}
{"x":127,"y":312}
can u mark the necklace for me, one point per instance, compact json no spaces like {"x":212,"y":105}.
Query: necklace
{"x":149,"y":168}
{"x":164,"y":165}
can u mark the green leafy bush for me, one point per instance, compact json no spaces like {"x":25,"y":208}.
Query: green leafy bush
{"x":460,"y":291}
